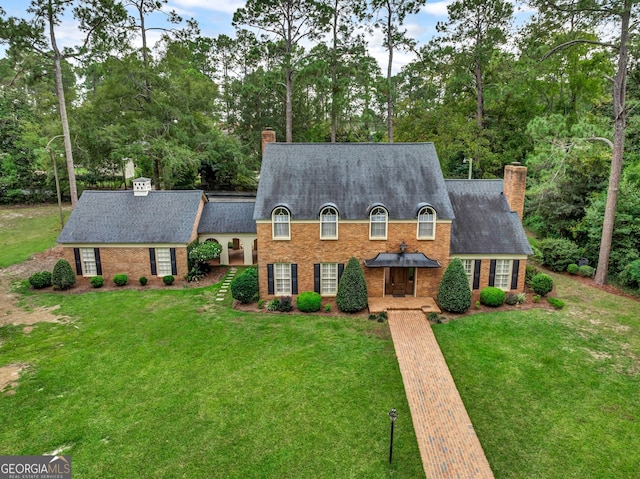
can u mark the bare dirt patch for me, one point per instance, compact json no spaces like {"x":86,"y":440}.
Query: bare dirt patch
{"x":9,"y":376}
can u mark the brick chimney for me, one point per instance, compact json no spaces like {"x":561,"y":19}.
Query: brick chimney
{"x":515,"y":180}
{"x":268,"y":136}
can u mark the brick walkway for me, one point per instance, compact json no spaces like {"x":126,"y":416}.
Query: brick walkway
{"x":448,"y":443}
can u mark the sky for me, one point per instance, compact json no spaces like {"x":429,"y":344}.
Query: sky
{"x":214,"y":18}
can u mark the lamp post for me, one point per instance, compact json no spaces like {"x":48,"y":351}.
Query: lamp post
{"x":393,"y":415}
{"x":55,"y":174}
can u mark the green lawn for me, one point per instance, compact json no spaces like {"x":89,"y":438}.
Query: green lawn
{"x":169,"y":384}
{"x":25,"y":231}
{"x":553,"y":394}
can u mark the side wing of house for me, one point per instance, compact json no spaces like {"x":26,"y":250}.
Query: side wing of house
{"x":112,"y":232}
{"x":488,"y":235}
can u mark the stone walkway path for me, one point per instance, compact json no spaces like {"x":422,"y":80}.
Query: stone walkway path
{"x":226,"y":283}
{"x":448,"y":443}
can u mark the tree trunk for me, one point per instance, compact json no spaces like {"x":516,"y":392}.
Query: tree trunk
{"x":479,"y":95}
{"x":288,"y":119}
{"x":62,"y":107}
{"x":389,"y":82}
{"x":620,"y":119}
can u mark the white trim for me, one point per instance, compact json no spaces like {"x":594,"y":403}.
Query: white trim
{"x":88,"y":261}
{"x":275,"y":214}
{"x":386,"y":223}
{"x":287,"y":266}
{"x":337,"y":215}
{"x":433,"y":222}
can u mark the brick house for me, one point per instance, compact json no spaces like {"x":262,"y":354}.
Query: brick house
{"x":389,"y":206}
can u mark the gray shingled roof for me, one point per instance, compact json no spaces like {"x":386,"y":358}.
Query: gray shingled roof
{"x":120,"y":217}
{"x":234,"y":216}
{"x":353,"y":176}
{"x":484,"y":223}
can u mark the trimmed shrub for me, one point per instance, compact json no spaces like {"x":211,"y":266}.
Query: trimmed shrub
{"x":511,"y":299}
{"x":352,"y":293}
{"x":168,"y":279}
{"x":120,"y":279}
{"x":586,"y":271}
{"x":285,"y":305}
{"x":143,"y":280}
{"x":492,"y":296}
{"x":557,"y":254}
{"x":542,"y":284}
{"x":536,"y":298}
{"x":244,"y":287}
{"x":97,"y":281}
{"x":40,"y":280}
{"x":63,"y":276}
{"x":327,"y":308}
{"x":573,"y":269}
{"x":555,"y":302}
{"x":530,"y":272}
{"x":309,"y":302}
{"x":454,"y":294}
{"x":273,"y":305}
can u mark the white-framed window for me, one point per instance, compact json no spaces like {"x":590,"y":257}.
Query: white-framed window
{"x":502,"y":278}
{"x":89,"y":266}
{"x":378,"y":223}
{"x":163,"y":261}
{"x":328,"y":279}
{"x":426,"y":223}
{"x":329,"y":223}
{"x":282,"y":278}
{"x":281,"y":219}
{"x":468,"y":269}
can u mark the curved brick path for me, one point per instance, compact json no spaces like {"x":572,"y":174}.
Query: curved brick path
{"x":448,"y":443}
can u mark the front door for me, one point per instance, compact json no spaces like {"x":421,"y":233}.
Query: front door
{"x":398,"y":277}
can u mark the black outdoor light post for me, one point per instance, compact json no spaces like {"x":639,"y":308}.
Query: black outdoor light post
{"x":393,"y":414}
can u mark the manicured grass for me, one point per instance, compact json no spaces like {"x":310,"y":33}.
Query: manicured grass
{"x":170,"y":384}
{"x":25,"y":231}
{"x":553,"y":394}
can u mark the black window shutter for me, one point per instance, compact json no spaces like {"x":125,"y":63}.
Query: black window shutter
{"x":492,"y":273}
{"x":96,"y":253}
{"x":340,"y":270}
{"x":76,"y":255}
{"x":514,"y":273}
{"x":316,"y":277}
{"x":174,"y":265}
{"x":294,"y":279}
{"x":476,"y":274}
{"x":152,"y":261}
{"x":270,"y":288}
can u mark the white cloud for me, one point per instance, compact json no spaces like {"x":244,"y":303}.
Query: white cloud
{"x":437,"y":9}
{"x":224,"y":6}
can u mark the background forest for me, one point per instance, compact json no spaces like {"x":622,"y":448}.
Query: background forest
{"x":558,"y":93}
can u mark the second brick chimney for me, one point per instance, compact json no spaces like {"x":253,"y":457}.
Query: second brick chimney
{"x":515,"y":181}
{"x":268,"y":136}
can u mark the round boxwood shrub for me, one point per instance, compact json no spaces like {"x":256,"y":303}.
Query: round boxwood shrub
{"x":557,"y":254}
{"x":244,"y":287}
{"x":120,"y":279}
{"x":97,"y":281}
{"x":573,"y":268}
{"x":454,"y":294}
{"x":542,"y":284}
{"x":143,"y":280}
{"x":63,"y":276}
{"x":492,"y":296}
{"x":40,"y":280}
{"x":168,"y":279}
{"x":586,"y":271}
{"x":309,"y":302}
{"x":352,"y":293}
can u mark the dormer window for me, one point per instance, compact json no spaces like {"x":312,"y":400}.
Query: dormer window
{"x":378,"y":223}
{"x":280,"y":220}
{"x":426,"y":223}
{"x":329,"y":223}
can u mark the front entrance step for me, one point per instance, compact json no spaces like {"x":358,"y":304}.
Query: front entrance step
{"x":408,"y":303}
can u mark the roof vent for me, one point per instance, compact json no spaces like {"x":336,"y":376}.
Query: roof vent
{"x":141,"y":186}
